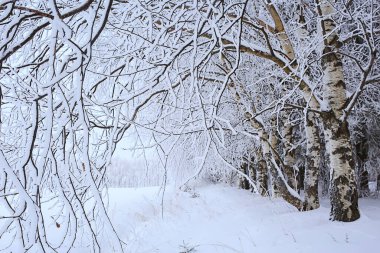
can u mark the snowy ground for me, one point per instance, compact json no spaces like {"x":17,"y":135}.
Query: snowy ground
{"x":224,"y":219}
{"x":219,"y":218}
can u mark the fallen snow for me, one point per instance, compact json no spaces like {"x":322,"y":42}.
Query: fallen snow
{"x":218,"y":218}
{"x":224,"y":219}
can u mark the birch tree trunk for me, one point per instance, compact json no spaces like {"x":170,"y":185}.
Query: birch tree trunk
{"x":325,"y":167}
{"x":313,"y":150}
{"x":343,"y":189}
{"x":361,"y":150}
{"x":273,"y":141}
{"x":252,"y":168}
{"x":286,"y":192}
{"x":313,"y":142}
{"x":243,"y":182}
{"x":262,"y":174}
{"x":289,"y":157}
{"x":312,"y":137}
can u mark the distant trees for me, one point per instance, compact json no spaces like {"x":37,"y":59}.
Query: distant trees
{"x":270,"y":89}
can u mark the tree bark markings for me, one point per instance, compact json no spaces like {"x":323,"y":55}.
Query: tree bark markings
{"x":344,"y":194}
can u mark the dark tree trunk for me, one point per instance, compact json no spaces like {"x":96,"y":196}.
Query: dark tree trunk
{"x":301,"y":178}
{"x":325,"y":167}
{"x":262,"y":177}
{"x":364,"y":186}
{"x":252,"y":169}
{"x":244,"y":183}
{"x":361,"y":149}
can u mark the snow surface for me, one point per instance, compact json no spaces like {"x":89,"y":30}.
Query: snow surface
{"x":224,"y":219}
{"x":220,"y":218}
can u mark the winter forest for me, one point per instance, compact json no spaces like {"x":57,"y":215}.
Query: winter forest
{"x":219,"y":125}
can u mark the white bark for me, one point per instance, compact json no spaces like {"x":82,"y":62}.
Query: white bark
{"x":313,"y":155}
{"x":344,"y":194}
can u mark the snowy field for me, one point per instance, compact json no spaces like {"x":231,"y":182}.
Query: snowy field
{"x":218,"y":218}
{"x":224,"y":219}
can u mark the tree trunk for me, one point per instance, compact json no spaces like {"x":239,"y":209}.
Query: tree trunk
{"x":252,"y":168}
{"x":273,"y":140}
{"x":313,"y":150}
{"x":289,"y":157}
{"x":325,"y":167}
{"x":313,"y":146}
{"x":301,"y":178}
{"x":343,"y":190}
{"x":361,"y":150}
{"x":344,"y":194}
{"x":364,"y":186}
{"x":243,"y":183}
{"x":286,"y":192}
{"x":262,"y":174}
